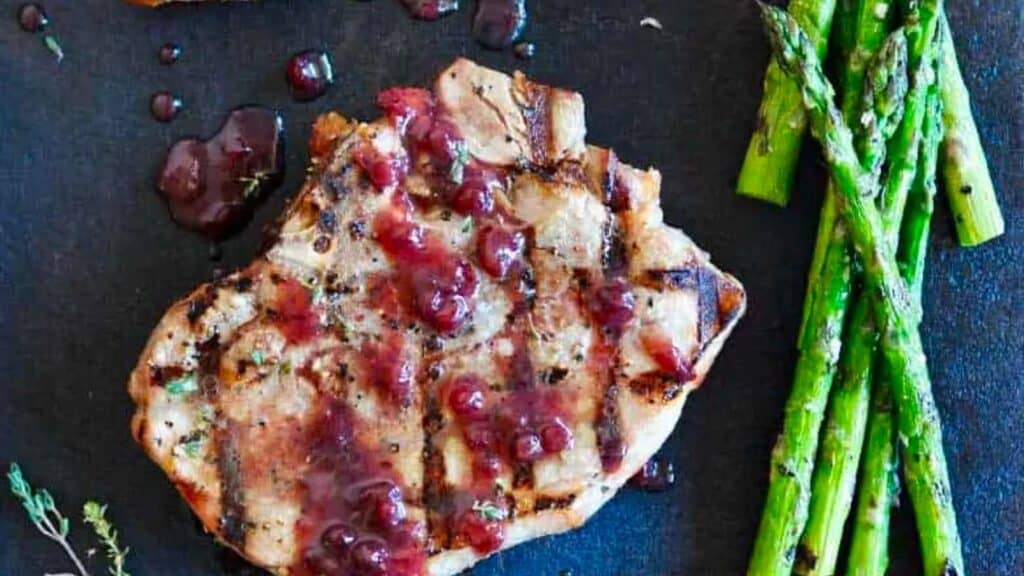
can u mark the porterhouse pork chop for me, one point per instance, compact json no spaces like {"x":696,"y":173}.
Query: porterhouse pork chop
{"x":470,"y":330}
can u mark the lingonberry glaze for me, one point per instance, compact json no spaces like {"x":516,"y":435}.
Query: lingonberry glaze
{"x":32,"y":17}
{"x":211,"y":186}
{"x":294,"y":313}
{"x":440,"y":283}
{"x":430,"y":9}
{"x":498,"y":24}
{"x":309,"y":74}
{"x":165,"y":106}
{"x":169,"y":53}
{"x":355,"y":520}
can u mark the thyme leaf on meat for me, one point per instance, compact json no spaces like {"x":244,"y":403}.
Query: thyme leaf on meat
{"x":184,"y":385}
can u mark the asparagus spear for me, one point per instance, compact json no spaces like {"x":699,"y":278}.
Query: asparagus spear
{"x":862,"y":26}
{"x":786,"y":505}
{"x":924,"y":463}
{"x":879,"y":485}
{"x":832,"y":484}
{"x":972,"y":197}
{"x":774,"y":148}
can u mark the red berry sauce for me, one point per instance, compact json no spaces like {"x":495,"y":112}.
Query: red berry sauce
{"x":354,"y":511}
{"x":430,"y":9}
{"x":309,"y":74}
{"x":32,"y":17}
{"x":440,"y":284}
{"x":211,"y":186}
{"x":165,"y":106}
{"x":294,"y":313}
{"x":666,"y":355}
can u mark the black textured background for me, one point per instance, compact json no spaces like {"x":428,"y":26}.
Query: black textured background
{"x":89,"y":259}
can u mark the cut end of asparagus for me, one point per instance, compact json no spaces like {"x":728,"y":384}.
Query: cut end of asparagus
{"x":972,"y":196}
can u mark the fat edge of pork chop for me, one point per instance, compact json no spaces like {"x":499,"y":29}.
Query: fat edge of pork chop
{"x":470,"y":331}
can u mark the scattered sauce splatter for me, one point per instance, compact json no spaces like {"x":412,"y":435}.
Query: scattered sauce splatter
{"x":309,"y":74}
{"x":211,"y":186}
{"x":497,"y":24}
{"x":655,"y":476}
{"x":169,"y":53}
{"x":32,"y":17}
{"x":165,"y":106}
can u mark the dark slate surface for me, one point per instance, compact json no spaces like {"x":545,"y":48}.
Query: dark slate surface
{"x":89,"y":259}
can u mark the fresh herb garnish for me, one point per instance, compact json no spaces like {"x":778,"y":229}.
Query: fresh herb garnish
{"x":54,"y":46}
{"x":489,"y":511}
{"x":467,"y":225}
{"x":458,"y":168}
{"x":95,"y":515}
{"x":43,"y":513}
{"x":185,"y":385}
{"x":253,"y":183}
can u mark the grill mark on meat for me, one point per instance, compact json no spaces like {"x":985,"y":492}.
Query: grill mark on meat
{"x":537,"y":114}
{"x":435,"y":489}
{"x":655,"y":387}
{"x":553,"y":503}
{"x":718,"y":300}
{"x":201,"y":303}
{"x":614,"y":264}
{"x":229,"y":469}
{"x":232,"y":491}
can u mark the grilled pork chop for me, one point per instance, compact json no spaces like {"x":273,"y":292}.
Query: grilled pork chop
{"x":470,"y":331}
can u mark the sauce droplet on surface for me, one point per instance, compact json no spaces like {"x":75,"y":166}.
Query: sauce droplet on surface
{"x":498,"y":24}
{"x":525,"y":50}
{"x":211,"y":186}
{"x":169,"y":53}
{"x":32,"y":17}
{"x":309,"y":75}
{"x":430,"y":9}
{"x":655,"y":476}
{"x":165,"y":106}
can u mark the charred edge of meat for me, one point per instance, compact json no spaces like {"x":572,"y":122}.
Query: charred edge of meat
{"x":707,"y":305}
{"x":730,"y":299}
{"x":656,"y":388}
{"x":435,"y":491}
{"x":611,"y":445}
{"x":160,"y":375}
{"x":553,"y":503}
{"x":232,"y":491}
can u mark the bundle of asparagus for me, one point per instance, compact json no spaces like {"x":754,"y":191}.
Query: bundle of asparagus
{"x":902,"y":96}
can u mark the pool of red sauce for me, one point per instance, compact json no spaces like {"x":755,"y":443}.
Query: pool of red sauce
{"x":212,"y":186}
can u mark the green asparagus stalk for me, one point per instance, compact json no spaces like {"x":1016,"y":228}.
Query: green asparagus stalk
{"x":774,"y":149}
{"x":786,"y":506}
{"x":835,"y":471}
{"x":863,"y":25}
{"x":924,"y":463}
{"x":972,"y":197}
{"x":879,"y":485}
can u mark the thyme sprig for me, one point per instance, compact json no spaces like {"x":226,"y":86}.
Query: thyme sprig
{"x":43,"y":513}
{"x":94,"y":514}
